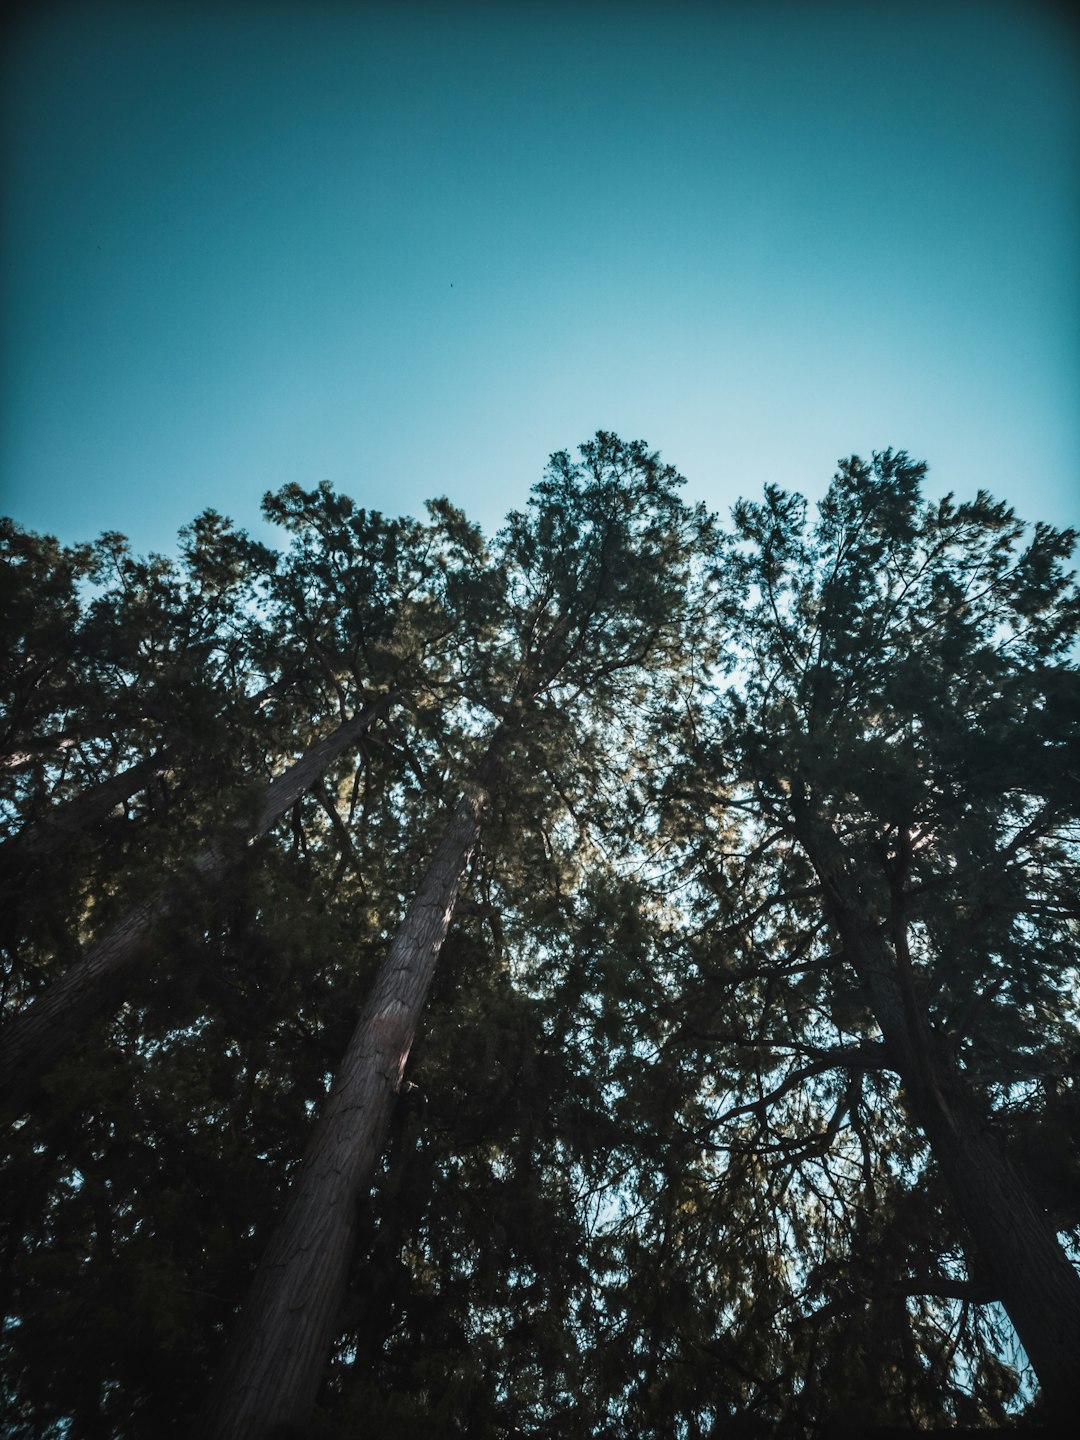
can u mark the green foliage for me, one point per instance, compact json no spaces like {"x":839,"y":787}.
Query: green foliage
{"x":652,"y":1171}
{"x":897,"y":755}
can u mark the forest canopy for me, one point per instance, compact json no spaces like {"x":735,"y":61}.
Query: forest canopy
{"x":613,"y":977}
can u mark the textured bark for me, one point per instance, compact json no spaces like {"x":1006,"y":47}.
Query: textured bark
{"x":275,"y":1362}
{"x":1018,"y":1248}
{"x":39,"y":1034}
{"x":1021,"y":1257}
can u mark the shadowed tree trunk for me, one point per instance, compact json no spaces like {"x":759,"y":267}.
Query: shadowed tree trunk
{"x":1022,"y":1260}
{"x":38,"y":1035}
{"x":597,"y":577}
{"x":275,"y":1362}
{"x":64,"y":823}
{"x":61,"y":824}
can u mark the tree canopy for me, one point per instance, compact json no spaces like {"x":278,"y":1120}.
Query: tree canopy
{"x":613,"y":977}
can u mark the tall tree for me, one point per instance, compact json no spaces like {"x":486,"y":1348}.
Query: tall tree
{"x":897,"y":895}
{"x":243,"y":968}
{"x":376,"y":571}
{"x":596,"y":577}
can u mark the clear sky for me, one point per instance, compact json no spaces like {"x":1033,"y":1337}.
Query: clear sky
{"x":412,"y":249}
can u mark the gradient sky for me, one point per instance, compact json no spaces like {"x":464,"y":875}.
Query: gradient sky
{"x":412,"y":249}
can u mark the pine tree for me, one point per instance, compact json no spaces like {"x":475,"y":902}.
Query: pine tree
{"x":594,"y":576}
{"x":672,"y":934}
{"x":892,"y":900}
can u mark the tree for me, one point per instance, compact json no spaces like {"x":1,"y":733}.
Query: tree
{"x":890,"y":892}
{"x":596,"y":577}
{"x":628,"y":908}
{"x":118,"y":631}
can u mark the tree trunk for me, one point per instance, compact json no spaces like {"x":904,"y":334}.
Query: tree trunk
{"x":1020,"y":1254}
{"x":39,"y":1034}
{"x":1018,"y":1248}
{"x":56,"y":829}
{"x":275,"y":1361}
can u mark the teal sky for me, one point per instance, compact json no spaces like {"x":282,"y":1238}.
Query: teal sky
{"x":412,"y":249}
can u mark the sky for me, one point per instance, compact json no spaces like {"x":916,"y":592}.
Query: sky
{"x":413,"y":249}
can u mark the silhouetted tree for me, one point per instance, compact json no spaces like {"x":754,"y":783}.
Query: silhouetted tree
{"x":616,"y":977}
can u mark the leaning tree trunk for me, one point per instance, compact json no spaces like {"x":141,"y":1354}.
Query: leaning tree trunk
{"x":1017,"y":1244}
{"x":56,"y":830}
{"x":39,"y":1034}
{"x":1025,"y":1264}
{"x":62,"y":824}
{"x":275,"y":1361}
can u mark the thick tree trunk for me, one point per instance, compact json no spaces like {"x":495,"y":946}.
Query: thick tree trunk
{"x":1018,"y":1248}
{"x":39,"y":1034}
{"x":275,"y":1362}
{"x":1021,"y":1257}
{"x":1019,"y":1252}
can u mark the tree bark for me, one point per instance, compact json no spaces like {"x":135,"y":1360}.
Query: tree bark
{"x":275,"y":1361}
{"x":1022,"y":1258}
{"x":1018,"y":1248}
{"x":40,"y":1033}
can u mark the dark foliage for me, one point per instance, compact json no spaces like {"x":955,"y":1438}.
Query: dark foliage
{"x":779,"y":880}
